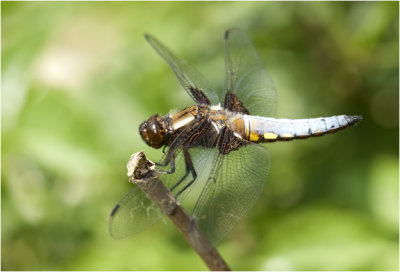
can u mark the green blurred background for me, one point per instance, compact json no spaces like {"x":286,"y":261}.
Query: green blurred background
{"x":78,"y":78}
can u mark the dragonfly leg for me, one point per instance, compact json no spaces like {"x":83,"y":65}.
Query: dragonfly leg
{"x":189,"y":169}
{"x":186,"y":156}
{"x":172,"y":170}
{"x":180,"y":181}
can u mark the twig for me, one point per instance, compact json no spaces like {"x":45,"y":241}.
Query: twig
{"x":141,"y":172}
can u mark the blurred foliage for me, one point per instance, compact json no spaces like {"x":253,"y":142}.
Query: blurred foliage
{"x":78,"y":78}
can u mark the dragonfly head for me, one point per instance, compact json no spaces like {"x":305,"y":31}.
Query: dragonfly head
{"x":153,"y":131}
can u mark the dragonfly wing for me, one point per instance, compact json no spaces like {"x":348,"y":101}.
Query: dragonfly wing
{"x":246,"y":76}
{"x":234,"y":184}
{"x":134,"y":213}
{"x":195,"y":84}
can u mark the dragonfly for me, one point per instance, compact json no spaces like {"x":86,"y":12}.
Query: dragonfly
{"x":216,"y":144}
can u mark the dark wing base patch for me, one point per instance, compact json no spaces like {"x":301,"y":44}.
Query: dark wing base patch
{"x":229,"y":142}
{"x":233,"y":104}
{"x":199,"y":96}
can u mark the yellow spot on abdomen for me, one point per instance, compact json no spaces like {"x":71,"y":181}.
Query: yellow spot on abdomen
{"x":287,"y":135}
{"x":270,"y":136}
{"x":254,"y":137}
{"x":318,"y":132}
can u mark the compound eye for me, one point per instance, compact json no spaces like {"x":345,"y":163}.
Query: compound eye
{"x":143,"y":126}
{"x":152,"y":131}
{"x":154,"y":128}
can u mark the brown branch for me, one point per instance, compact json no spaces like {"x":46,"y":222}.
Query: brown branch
{"x":141,"y":172}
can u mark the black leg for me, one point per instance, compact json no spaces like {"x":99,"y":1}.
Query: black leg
{"x":189,"y":165}
{"x":180,"y":181}
{"x":172,"y":170}
{"x":187,"y":185}
{"x":165,"y":163}
{"x":189,"y":168}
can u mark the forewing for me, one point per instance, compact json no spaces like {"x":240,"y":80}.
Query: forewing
{"x":192,"y":80}
{"x":235,"y":183}
{"x":134,"y":213}
{"x":246,"y":76}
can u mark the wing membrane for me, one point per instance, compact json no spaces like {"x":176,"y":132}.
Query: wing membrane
{"x":235,"y":183}
{"x":134,"y":213}
{"x":195,"y":84}
{"x":246,"y":76}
